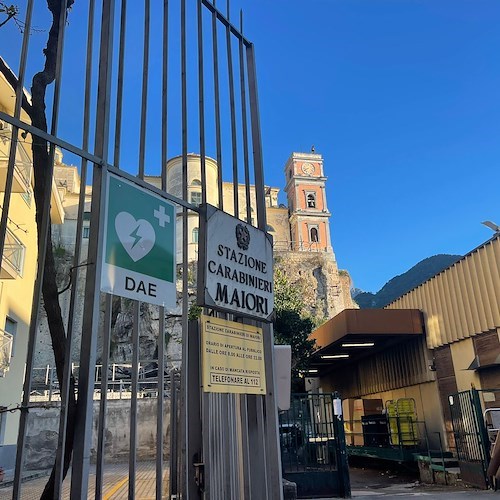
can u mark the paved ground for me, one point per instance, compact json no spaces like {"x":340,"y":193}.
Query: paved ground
{"x":397,"y":484}
{"x":366,"y":483}
{"x":115,"y":484}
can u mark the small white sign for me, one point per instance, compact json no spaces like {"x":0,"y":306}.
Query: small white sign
{"x":237,"y":264}
{"x":139,"y":244}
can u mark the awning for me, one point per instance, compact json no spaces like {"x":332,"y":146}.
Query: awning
{"x":478,"y":363}
{"x":357,"y":333}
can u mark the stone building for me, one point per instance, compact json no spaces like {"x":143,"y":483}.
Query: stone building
{"x":301,"y":234}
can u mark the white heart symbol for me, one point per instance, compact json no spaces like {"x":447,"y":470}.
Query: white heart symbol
{"x":137,"y":236}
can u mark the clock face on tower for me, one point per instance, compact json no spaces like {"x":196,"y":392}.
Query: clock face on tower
{"x":308,"y":168}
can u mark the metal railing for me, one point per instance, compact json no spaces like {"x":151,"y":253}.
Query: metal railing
{"x":45,"y":385}
{"x":6,"y":340}
{"x":22,"y":165}
{"x":13,"y":252}
{"x":307,"y":434}
{"x":298,"y":246}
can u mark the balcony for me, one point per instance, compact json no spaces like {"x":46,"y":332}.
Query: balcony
{"x":13,"y":257}
{"x":21,"y":180}
{"x":5,"y":351}
{"x":22,"y":164}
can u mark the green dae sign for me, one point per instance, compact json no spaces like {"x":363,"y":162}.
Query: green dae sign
{"x":139,"y":244}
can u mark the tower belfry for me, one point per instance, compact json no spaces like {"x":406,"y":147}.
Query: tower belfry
{"x":309,"y":214}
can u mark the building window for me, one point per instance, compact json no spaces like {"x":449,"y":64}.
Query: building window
{"x":314,"y":234}
{"x":196,"y":182}
{"x":195,"y":197}
{"x":195,"y":235}
{"x":86,"y":232}
{"x":11,"y":328}
{"x":290,"y":174}
{"x":311,"y":200}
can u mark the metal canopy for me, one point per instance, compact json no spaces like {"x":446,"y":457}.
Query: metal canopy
{"x":356,"y":333}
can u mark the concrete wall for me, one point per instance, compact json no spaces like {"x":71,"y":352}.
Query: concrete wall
{"x":463,"y":354}
{"x":43,"y":427}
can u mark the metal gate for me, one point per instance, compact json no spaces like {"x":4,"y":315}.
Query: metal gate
{"x":149,"y":91}
{"x":313,"y":448}
{"x":471,"y":437}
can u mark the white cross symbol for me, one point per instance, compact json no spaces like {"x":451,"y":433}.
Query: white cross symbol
{"x":161,"y":216}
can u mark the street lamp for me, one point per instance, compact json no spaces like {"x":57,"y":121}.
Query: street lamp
{"x":491,"y":225}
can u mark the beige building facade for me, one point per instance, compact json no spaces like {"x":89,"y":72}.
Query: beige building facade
{"x":18,"y":271}
{"x":457,"y":346}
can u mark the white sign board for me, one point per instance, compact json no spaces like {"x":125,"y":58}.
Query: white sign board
{"x":236,"y":264}
{"x":139,"y":244}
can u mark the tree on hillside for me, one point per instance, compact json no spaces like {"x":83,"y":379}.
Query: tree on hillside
{"x":292,"y":325}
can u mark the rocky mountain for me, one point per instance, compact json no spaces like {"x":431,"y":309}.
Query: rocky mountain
{"x":405,"y":282}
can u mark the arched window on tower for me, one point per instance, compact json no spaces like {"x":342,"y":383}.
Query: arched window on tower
{"x":195,"y":235}
{"x":314,"y":235}
{"x":311,"y":200}
{"x":195,"y":194}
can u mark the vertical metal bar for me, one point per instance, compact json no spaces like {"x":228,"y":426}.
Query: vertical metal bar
{"x":133,"y":401}
{"x":193,"y":408}
{"x":145,"y":74}
{"x":201,"y":84}
{"x":244,"y":124}
{"x":233,"y":117}
{"x":256,"y":138}
{"x":42,"y":243}
{"x":161,"y":309}
{"x":119,"y":90}
{"x":272,"y":431}
{"x":245,"y":444}
{"x":161,"y":341}
{"x":136,"y":321}
{"x":173,"y":434}
{"x":258,"y":479}
{"x":225,"y":444}
{"x":164,"y":99}
{"x":17,"y":114}
{"x":68,"y":365}
{"x":103,"y":404}
{"x":186,"y":466}
{"x":159,"y":408}
{"x":206,"y":443}
{"x":268,"y":339}
{"x":218,"y":141}
{"x":3,"y":229}
{"x":83,"y":425}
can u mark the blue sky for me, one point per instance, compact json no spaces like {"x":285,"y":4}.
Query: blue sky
{"x":400,"y":96}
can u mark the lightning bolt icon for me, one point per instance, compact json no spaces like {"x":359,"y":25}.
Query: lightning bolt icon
{"x":136,"y":237}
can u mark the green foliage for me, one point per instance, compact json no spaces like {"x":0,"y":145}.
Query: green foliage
{"x":59,"y":251}
{"x":286,"y":296}
{"x":194,"y":311}
{"x":291,"y":325}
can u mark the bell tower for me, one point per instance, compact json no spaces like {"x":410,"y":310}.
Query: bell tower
{"x":309,"y":215}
